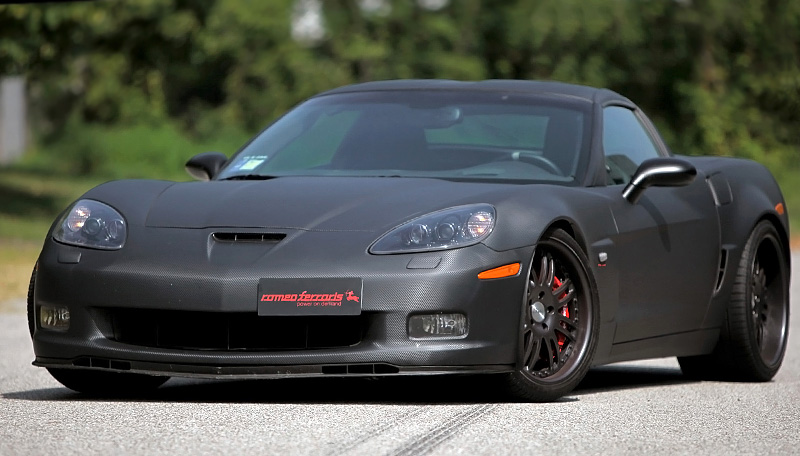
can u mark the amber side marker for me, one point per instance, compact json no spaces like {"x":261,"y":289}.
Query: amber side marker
{"x":498,"y":273}
{"x":779,"y":208}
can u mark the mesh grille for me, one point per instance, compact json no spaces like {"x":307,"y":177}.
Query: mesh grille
{"x":232,"y":331}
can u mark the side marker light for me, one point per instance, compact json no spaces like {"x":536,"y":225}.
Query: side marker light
{"x":779,"y":208}
{"x":500,"y":272}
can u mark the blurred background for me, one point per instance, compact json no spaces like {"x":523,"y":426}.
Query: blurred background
{"x":92,"y":91}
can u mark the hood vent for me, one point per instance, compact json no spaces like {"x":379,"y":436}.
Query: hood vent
{"x":248,"y":237}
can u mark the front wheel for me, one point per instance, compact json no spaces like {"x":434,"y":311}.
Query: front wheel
{"x":557,"y":333}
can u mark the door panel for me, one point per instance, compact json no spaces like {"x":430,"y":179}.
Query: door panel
{"x":668,"y":253}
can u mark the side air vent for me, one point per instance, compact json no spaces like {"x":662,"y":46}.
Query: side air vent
{"x":723,"y":263}
{"x":248,"y":237}
{"x":720,"y":189}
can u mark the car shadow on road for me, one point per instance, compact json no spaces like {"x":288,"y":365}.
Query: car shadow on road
{"x":385,"y":390}
{"x":616,"y":377}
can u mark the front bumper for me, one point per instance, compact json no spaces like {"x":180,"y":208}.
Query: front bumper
{"x":183,"y":272}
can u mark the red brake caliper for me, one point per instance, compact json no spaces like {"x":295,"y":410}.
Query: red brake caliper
{"x":564,"y":311}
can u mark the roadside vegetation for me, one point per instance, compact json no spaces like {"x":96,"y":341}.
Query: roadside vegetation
{"x":133,"y":89}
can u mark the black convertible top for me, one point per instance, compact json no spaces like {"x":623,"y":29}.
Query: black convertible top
{"x":591,"y":94}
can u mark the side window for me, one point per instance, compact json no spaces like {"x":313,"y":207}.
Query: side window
{"x":626,"y":144}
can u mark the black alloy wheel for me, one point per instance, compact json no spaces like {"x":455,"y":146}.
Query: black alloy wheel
{"x":754,"y":332}
{"x":759,"y":313}
{"x":559,"y":320}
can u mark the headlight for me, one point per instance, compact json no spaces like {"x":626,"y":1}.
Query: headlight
{"x":446,"y":229}
{"x":92,"y":224}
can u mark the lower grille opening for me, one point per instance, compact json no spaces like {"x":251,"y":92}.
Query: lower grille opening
{"x":232,"y":331}
{"x":344,"y":369}
{"x":102,"y":363}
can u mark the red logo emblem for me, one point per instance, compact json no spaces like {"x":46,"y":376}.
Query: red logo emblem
{"x":351,"y":296}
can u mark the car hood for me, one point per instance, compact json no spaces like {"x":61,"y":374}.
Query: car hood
{"x":312,"y":203}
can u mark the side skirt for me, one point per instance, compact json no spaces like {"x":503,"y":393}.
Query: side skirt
{"x":691,"y":343}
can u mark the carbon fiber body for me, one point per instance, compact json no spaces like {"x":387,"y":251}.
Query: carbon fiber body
{"x":181,"y":299}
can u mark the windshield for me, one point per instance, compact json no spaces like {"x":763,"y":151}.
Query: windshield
{"x":461,"y":135}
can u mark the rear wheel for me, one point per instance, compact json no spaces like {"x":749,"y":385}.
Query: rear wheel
{"x":559,"y":321}
{"x":106,"y":383}
{"x":753,"y":337}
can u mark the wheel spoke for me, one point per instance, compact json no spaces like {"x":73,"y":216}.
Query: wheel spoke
{"x":568,"y":335}
{"x":542,"y":271}
{"x":567,"y":297}
{"x":551,"y":273}
{"x":567,"y":321}
{"x":531,"y":342}
{"x":759,"y":334}
{"x":536,"y":349}
{"x":562,"y":288}
{"x":551,"y":354}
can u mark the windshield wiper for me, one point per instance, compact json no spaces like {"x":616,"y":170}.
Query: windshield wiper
{"x":249,"y":177}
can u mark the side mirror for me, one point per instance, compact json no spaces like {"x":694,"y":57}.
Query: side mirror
{"x":659,"y":172}
{"x":206,"y":165}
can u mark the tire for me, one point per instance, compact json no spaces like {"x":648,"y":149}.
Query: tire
{"x":558,"y":326}
{"x":756,"y":325}
{"x":98,"y":383}
{"x":30,"y":308}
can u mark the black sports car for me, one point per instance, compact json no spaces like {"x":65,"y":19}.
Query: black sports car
{"x":524,"y":229}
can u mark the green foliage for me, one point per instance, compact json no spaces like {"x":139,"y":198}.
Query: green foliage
{"x":135,"y":151}
{"x":718,"y":77}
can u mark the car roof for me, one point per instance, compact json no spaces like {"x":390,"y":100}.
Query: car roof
{"x":587,"y":93}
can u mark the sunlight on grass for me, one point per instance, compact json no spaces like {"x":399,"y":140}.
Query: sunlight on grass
{"x":790,"y":185}
{"x":16,"y":263}
{"x":29,"y":201}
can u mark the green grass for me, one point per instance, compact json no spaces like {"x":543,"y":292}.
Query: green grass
{"x":789,"y":181}
{"x":30,"y":201}
{"x":53,"y":175}
{"x":16,"y":263}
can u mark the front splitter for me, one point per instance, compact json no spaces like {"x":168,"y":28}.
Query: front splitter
{"x":262,"y":372}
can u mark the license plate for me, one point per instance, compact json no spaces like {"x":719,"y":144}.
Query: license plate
{"x":287,"y":297}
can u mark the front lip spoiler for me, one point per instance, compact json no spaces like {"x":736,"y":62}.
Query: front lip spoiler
{"x":262,"y":372}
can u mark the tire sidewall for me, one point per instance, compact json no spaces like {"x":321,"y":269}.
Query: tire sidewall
{"x":545,"y":390}
{"x":762,"y":232}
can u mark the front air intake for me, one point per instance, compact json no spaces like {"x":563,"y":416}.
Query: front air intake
{"x":222,"y":331}
{"x":248,"y":237}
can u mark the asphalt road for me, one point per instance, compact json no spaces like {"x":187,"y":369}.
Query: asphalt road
{"x":633,"y":408}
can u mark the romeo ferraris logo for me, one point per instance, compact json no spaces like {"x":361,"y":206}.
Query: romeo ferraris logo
{"x":306,"y":299}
